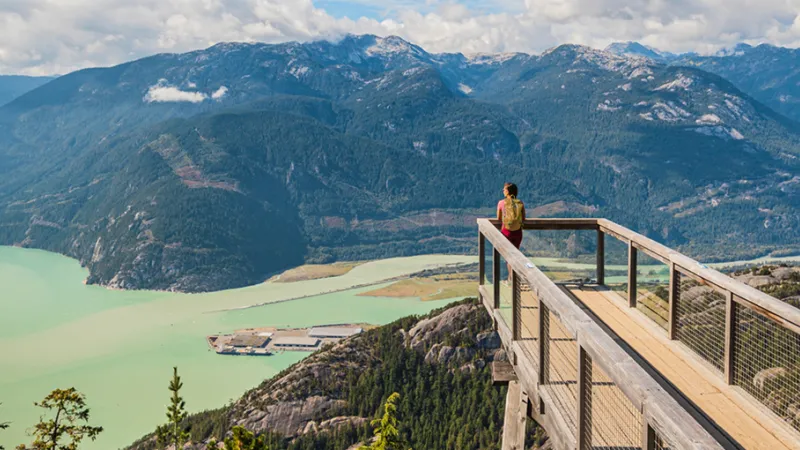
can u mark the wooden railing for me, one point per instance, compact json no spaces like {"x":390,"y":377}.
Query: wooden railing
{"x":731,"y":311}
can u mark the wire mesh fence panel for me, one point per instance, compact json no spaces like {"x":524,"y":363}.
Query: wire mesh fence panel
{"x":563,"y":255}
{"x":766,"y":363}
{"x":506,"y":293}
{"x":528,"y":317}
{"x":700,"y":317}
{"x":616,"y":265}
{"x":562,"y":369}
{"x":661,"y":443}
{"x":488,"y":272}
{"x":613,"y":421}
{"x":652,"y":289}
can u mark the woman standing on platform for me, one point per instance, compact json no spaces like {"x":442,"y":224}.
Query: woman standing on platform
{"x":511,"y":213}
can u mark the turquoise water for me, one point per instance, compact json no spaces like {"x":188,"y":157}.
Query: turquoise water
{"x":118,"y":347}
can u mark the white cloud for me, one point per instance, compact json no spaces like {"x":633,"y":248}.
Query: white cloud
{"x":165,"y":94}
{"x":219,"y":93}
{"x":58,"y":36}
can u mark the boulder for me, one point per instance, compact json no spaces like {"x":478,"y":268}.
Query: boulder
{"x":761,"y":280}
{"x":767,"y":377}
{"x":489,"y":340}
{"x":783,"y":273}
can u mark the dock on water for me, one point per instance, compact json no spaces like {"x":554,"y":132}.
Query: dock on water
{"x":269,"y":340}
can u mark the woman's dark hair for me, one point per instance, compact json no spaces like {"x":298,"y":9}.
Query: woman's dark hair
{"x":512,"y":189}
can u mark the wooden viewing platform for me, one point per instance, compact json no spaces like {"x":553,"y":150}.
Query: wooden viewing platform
{"x":707,"y":362}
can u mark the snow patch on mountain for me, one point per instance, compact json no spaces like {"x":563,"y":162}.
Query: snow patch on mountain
{"x":721,"y":132}
{"x":298,"y":71}
{"x":412,"y":71}
{"x":709,"y":119}
{"x":670,"y":112}
{"x":489,"y":58}
{"x":682,"y":82}
{"x":606,"y":107}
{"x":464,"y":88}
{"x":388,"y":46}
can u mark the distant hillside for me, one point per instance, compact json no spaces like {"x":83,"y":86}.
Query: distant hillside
{"x":440,"y":365}
{"x":768,"y":73}
{"x":218,"y":168}
{"x":12,"y":86}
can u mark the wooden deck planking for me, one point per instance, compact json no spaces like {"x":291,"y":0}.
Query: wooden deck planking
{"x":723,"y":408}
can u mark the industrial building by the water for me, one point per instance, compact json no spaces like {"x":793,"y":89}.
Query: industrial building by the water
{"x":266,"y":341}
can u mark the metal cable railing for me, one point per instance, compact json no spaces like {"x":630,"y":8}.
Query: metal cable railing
{"x":661,"y":443}
{"x":766,"y":363}
{"x":700,"y":315}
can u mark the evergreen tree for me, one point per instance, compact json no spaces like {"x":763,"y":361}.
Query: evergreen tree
{"x":243,"y":439}
{"x":70,"y":409}
{"x":386,"y":432}
{"x":172,"y":433}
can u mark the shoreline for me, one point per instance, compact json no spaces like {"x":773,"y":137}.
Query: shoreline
{"x":765,"y":259}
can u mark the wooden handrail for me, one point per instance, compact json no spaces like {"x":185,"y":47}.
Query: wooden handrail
{"x":770,"y":307}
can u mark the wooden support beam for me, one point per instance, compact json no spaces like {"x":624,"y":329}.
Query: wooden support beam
{"x":516,"y":314}
{"x":503,"y":372}
{"x":481,"y":259}
{"x":730,"y":335}
{"x":584,"y":400}
{"x":631,"y":275}
{"x":515,"y":418}
{"x":648,"y":436}
{"x":601,"y":257}
{"x":543,"y":340}
{"x":496,"y":277}
{"x":674,"y":289}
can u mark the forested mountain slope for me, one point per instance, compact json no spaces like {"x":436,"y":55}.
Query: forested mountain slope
{"x":214,"y":169}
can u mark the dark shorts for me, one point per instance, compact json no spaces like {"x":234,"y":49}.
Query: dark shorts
{"x":514,"y":236}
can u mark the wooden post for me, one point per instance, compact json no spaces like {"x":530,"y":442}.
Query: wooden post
{"x":481,"y":259}
{"x":730,"y":335}
{"x":542,"y":337}
{"x":496,"y":280}
{"x":631,"y":275}
{"x":648,"y":436}
{"x":516,"y":313}
{"x":674,"y":286}
{"x":601,"y":257}
{"x":584,"y":400}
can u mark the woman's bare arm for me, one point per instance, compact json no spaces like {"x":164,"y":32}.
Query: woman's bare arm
{"x":523,"y":212}
{"x":499,"y":213}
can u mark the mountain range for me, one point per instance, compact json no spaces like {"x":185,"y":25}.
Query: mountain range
{"x":13,"y":86}
{"x":216,"y":168}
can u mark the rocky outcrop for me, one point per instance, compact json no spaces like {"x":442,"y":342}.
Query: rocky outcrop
{"x":765,"y":378}
{"x":444,"y":354}
{"x":489,"y":340}
{"x":291,"y":418}
{"x":436,"y":328}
